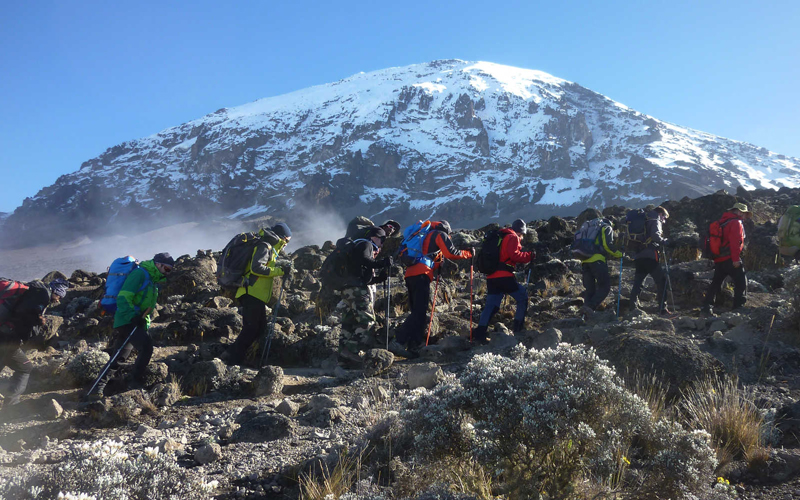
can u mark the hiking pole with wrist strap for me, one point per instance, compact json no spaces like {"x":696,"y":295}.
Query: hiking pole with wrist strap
{"x":111,"y":362}
{"x":669,"y":281}
{"x":619,"y":288}
{"x":433,"y":309}
{"x":268,"y":343}
{"x":471,"y":268}
{"x":388,"y":289}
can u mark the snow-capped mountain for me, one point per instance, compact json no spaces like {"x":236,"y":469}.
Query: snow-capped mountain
{"x":465,"y":141}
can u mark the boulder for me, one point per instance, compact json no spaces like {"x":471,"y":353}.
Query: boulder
{"x":307,"y":258}
{"x":675,"y":360}
{"x":547,"y":339}
{"x":377,"y":361}
{"x":287,"y":407}
{"x":204,"y":323}
{"x":425,"y":375}
{"x":204,"y":377}
{"x":269,"y":381}
{"x":191,"y":273}
{"x":208,"y":453}
{"x":49,"y":330}
{"x":166,"y":394}
{"x":52,"y":410}
{"x":155,"y":373}
{"x":265,"y":426}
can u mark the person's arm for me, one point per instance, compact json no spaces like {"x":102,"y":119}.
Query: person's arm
{"x":735,"y":240}
{"x":656,"y":233}
{"x":126,"y":299}
{"x":607,"y":236}
{"x":260,"y":262}
{"x":29,"y":311}
{"x":445,"y":245}
{"x":512,"y":253}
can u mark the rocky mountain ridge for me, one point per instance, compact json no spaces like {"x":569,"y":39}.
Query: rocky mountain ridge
{"x":453,"y":139}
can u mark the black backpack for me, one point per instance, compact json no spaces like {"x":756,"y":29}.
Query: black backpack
{"x":334,"y":272}
{"x":635,"y":235}
{"x":489,"y":256}
{"x":233,"y":267}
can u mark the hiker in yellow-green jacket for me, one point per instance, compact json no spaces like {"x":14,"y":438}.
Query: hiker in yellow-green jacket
{"x":262,"y":271}
{"x":596,"y":279}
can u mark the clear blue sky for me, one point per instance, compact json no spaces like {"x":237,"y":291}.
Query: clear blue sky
{"x":79,"y":77}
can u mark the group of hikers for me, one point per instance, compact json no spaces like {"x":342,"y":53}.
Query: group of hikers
{"x":350,"y":275}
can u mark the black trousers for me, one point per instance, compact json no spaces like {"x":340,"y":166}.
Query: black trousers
{"x":144,"y":347}
{"x":654,"y":269}
{"x":597,"y":283}
{"x":412,"y":331}
{"x":254,"y":320}
{"x":721,"y":271}
{"x":12,"y":356}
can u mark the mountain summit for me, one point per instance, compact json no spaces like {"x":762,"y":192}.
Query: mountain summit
{"x":465,"y":141}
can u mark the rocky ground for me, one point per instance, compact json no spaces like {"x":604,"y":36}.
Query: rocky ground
{"x":256,"y":431}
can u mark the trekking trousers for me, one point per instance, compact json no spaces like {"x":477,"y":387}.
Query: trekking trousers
{"x":497,"y":288}
{"x":597,"y":283}
{"x":144,"y":347}
{"x":652,"y":267}
{"x":12,"y":356}
{"x":721,"y":271}
{"x":412,"y":331}
{"x":254,"y":323}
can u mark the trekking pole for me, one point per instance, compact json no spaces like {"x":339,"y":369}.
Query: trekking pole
{"x":471,"y":268}
{"x":433,"y":310}
{"x":268,"y":343}
{"x":388,"y":288}
{"x":619,"y":288}
{"x":669,"y":281}
{"x":111,"y":361}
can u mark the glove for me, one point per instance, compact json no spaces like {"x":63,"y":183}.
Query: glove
{"x":139,"y":321}
{"x":381,"y":277}
{"x":466,"y":254}
{"x":386,"y":262}
{"x":287,"y":270}
{"x":276,"y":272}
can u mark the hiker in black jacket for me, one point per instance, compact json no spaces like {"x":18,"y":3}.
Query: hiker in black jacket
{"x":648,"y":261}
{"x":21,"y":322}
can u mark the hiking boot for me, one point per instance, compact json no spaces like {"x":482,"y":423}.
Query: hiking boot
{"x":479,"y":335}
{"x":707,"y":311}
{"x":346,"y":354}
{"x":586,"y":311}
{"x":519,"y":325}
{"x":398,"y":350}
{"x":665,"y":312}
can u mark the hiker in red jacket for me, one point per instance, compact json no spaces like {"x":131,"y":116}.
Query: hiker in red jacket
{"x":503,"y":281}
{"x":729,"y":262}
{"x":437,"y":246}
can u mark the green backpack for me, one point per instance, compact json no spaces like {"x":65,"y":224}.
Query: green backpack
{"x":789,"y":227}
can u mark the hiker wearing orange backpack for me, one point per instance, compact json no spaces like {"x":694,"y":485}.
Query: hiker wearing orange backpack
{"x":424,"y":247}
{"x":725,"y":244}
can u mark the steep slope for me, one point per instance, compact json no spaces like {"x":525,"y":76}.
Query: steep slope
{"x":452,"y":139}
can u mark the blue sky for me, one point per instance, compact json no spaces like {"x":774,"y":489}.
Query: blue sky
{"x":79,"y":77}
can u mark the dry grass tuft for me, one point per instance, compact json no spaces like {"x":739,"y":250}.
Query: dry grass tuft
{"x":459,"y":475}
{"x":652,"y":390}
{"x":686,"y":253}
{"x":334,"y":482}
{"x":727,"y":412}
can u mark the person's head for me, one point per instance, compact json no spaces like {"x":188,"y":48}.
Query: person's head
{"x":164,"y":262}
{"x":444,"y":226}
{"x":519,"y":227}
{"x":58,"y":289}
{"x":739,"y":209}
{"x":282,"y":231}
{"x":390,"y":226}
{"x":376,"y":235}
{"x":662,"y":212}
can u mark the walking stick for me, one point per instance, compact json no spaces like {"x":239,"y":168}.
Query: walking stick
{"x":433,"y":310}
{"x":669,"y":281}
{"x":388,"y":287}
{"x":471,"y":267}
{"x":619,"y":288}
{"x":111,"y":361}
{"x":268,"y":343}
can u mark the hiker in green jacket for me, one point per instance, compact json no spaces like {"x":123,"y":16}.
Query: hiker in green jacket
{"x":262,"y":271}
{"x":596,"y":279}
{"x":136,"y":302}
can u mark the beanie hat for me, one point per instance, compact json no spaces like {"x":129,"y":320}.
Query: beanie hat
{"x":519,"y":226}
{"x":390,"y":224}
{"x":164,"y":258}
{"x":375,"y":232}
{"x":58,"y":287}
{"x":444,"y":226}
{"x":282,"y":230}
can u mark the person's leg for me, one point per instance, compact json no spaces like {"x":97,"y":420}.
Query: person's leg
{"x":121,"y":335}
{"x":419,"y":311}
{"x":358,"y":321}
{"x":600,"y":272}
{"x":492,"y":305}
{"x":22,"y":367}
{"x":144,"y":347}
{"x":521,"y":296}
{"x":588,"y":279}
{"x":716,"y":284}
{"x":638,"y":280}
{"x":660,"y":277}
{"x":253,"y":313}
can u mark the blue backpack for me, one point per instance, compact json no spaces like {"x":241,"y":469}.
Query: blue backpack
{"x":587,"y":239}
{"x":117,"y":274}
{"x":410,"y":252}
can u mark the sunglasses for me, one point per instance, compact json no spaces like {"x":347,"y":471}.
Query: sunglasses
{"x":167,"y":269}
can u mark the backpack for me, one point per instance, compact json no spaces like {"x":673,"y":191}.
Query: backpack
{"x":410,"y":251}
{"x":118,"y":272}
{"x":334,"y":272}
{"x":789,"y":227}
{"x":488,"y":260}
{"x":357,"y":227}
{"x":10,"y":292}
{"x":714,"y":245}
{"x":234,"y":263}
{"x":635,"y":235}
{"x":587,"y":239}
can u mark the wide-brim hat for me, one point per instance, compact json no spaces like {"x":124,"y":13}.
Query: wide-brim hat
{"x":740,"y":207}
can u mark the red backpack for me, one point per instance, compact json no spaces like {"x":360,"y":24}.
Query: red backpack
{"x":10,"y":291}
{"x":715,"y":245}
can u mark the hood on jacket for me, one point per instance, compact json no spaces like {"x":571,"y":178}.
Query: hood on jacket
{"x":729,"y":215}
{"x":152,"y":270}
{"x":268,"y":236}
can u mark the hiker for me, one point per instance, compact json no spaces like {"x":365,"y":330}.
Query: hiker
{"x":502,"y":282}
{"x":135,"y":304}
{"x":356,"y":228}
{"x":262,"y":269}
{"x":647,"y":260}
{"x":592,"y":251}
{"x":435,"y":246}
{"x":22,"y":308}
{"x":728,"y":262}
{"x":358,"y":316}
{"x":789,"y":233}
